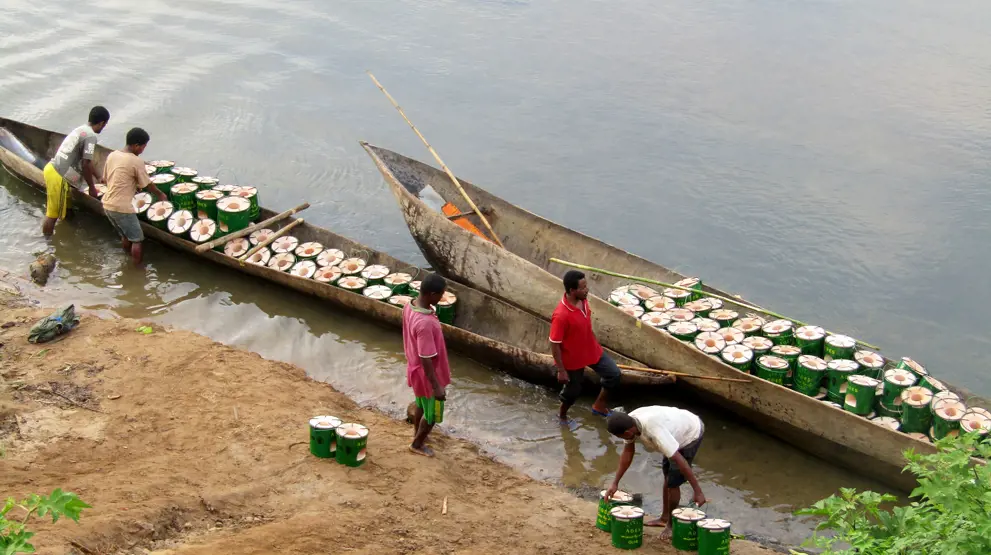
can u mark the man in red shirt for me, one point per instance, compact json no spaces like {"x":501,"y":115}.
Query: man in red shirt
{"x":427,"y":368}
{"x":574,"y":347}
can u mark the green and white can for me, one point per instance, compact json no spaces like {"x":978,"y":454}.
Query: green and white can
{"x":940,"y":395}
{"x":164,"y":182}
{"x":681,"y":315}
{"x":161,"y":166}
{"x":260,"y":236}
{"x":859,"y":398}
{"x":659,"y":320}
{"x":724,"y":316}
{"x":226,"y":189}
{"x":232,"y":214}
{"x":781,"y":332}
{"x":203,"y":182}
{"x":750,"y":326}
{"x":618,"y":298}
{"x":714,"y":536}
{"x":627,"y":527}
{"x":446,"y":308}
{"x":659,"y":304}
{"x":714,"y":303}
{"x":684,"y":528}
{"x":932,"y":384}
{"x":206,"y":203}
{"x":693,"y":283}
{"x":947,"y":415}
{"x":400,"y":300}
{"x":710,"y":343}
{"x":896,"y":380}
{"x":249,"y":194}
{"x":759,"y":345}
{"x":398,"y":282}
{"x":183,"y":174}
{"x":260,"y":258}
{"x":323,"y":436}
{"x":308,"y":251}
{"x":286,"y":244}
{"x":888,"y":422}
{"x":916,"y":414}
{"x":414,"y":288}
{"x":141,"y":203}
{"x":330,"y":257}
{"x":184,"y":196}
{"x":738,"y":356}
{"x":236,"y":248}
{"x":870,"y":363}
{"x":809,"y":375}
{"x":327,"y":274}
{"x":375,"y":274}
{"x":352,"y":442}
{"x":642,"y":292}
{"x":282,"y":261}
{"x":838,"y":347}
{"x":810,"y":340}
{"x":913,"y":366}
{"x":838,"y":372}
{"x":701,"y":307}
{"x":304,"y":269}
{"x":706,"y":324}
{"x":203,"y":230}
{"x":685,"y":331}
{"x":635,"y":311}
{"x":158,"y":214}
{"x":731,"y":336}
{"x":150,"y":170}
{"x":603,"y":520}
{"x":354,"y":284}
{"x":790,"y":354}
{"x":773,"y":369}
{"x":976,"y":420}
{"x":377,"y":292}
{"x":352,"y":266}
{"x":679,"y":296}
{"x":180,"y":223}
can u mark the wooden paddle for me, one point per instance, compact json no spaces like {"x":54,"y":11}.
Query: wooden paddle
{"x":271,"y":238}
{"x":680,"y":374}
{"x":441,"y":162}
{"x":251,"y":229}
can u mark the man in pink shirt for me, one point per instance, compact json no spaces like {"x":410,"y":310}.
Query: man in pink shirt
{"x":427,"y":369}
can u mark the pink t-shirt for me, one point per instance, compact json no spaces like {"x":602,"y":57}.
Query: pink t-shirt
{"x":423,"y":337}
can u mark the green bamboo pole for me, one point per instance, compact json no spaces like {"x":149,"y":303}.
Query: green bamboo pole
{"x":738,"y":302}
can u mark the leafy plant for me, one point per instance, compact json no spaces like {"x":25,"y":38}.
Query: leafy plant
{"x":950,"y":511}
{"x":14,"y":534}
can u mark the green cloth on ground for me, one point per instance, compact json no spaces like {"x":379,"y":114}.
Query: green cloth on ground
{"x":54,"y":325}
{"x":433,"y":410}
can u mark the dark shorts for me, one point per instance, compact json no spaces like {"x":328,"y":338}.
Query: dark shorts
{"x":127,"y":225}
{"x":608,"y":374}
{"x":672,"y":474}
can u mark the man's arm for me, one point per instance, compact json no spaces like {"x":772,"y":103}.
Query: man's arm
{"x":157,"y":192}
{"x":428,"y":369}
{"x":625,"y":459}
{"x":562,"y":373}
{"x":686,"y":471}
{"x":89,"y":174}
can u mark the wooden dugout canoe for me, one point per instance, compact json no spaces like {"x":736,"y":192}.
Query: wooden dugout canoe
{"x":523,"y":275}
{"x":491,"y":331}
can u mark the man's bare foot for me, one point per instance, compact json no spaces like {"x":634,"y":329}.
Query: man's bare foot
{"x":425,"y":451}
{"x":657,"y":523}
{"x":666,"y":534}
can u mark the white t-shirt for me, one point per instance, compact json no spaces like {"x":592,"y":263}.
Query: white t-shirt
{"x":666,"y":429}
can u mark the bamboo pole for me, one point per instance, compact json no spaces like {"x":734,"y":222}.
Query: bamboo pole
{"x":681,"y":374}
{"x":738,"y":302}
{"x":441,"y":162}
{"x":271,"y":238}
{"x":251,"y":228}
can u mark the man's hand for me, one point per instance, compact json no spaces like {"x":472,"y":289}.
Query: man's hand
{"x":562,"y":376}
{"x":162,"y":197}
{"x":93,"y":192}
{"x":699,"y":498}
{"x":611,"y":491}
{"x":440,"y":393}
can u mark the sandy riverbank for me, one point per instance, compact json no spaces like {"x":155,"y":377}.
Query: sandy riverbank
{"x":183,"y":445}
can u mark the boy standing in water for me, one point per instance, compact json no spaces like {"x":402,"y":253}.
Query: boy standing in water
{"x":124,"y":173}
{"x":76,"y":152}
{"x":427,"y":369}
{"x":677,"y":434}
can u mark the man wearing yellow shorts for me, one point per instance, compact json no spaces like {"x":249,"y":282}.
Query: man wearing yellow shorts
{"x":76,"y":152}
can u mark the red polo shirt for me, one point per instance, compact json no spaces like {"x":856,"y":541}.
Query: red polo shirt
{"x":571,"y":326}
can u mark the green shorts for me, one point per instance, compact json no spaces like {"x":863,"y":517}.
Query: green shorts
{"x":433,"y":410}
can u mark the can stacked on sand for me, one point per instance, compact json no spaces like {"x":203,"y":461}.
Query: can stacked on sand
{"x":141,"y":203}
{"x":158,"y":214}
{"x":323,"y":438}
{"x":916,"y":416}
{"x":809,"y":374}
{"x":203,"y":231}
{"x":446,"y":308}
{"x":896,"y":380}
{"x":304,"y":269}
{"x":184,"y":196}
{"x":206,"y":203}
{"x":780,"y":332}
{"x":283,"y":261}
{"x":684,"y":528}
{"x":713,"y":536}
{"x":870,"y":363}
{"x":947,"y":414}
{"x":180,"y":223}
{"x":164,"y":183}
{"x":232,"y":214}
{"x":838,"y":347}
{"x":627,"y":527}
{"x":352,"y":440}
{"x":810,"y":339}
{"x":738,"y":356}
{"x":860,"y":391}
{"x":838,"y":371}
{"x":236,"y":248}
{"x":249,"y":194}
{"x":773,"y":369}
{"x":603,"y":520}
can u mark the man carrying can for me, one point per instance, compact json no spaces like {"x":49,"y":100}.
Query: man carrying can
{"x":574,"y":347}
{"x":677,"y":434}
{"x":124,"y":173}
{"x":427,"y":369}
{"x":75,"y":153}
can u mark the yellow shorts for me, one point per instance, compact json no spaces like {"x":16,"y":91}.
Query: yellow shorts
{"x":59,"y":193}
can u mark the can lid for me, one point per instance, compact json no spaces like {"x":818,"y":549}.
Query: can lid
{"x":352,"y":431}
{"x":447,"y":299}
{"x":681,"y":314}
{"x":688,"y":514}
{"x":325,"y":422}
{"x":738,"y":353}
{"x":917,"y":396}
{"x":304,"y":268}
{"x":375,"y":271}
{"x":379,"y":292}
{"x":181,"y":220}
{"x":161,"y":163}
{"x":415,"y":285}
{"x":309,"y":248}
{"x":714,"y":524}
{"x":352,"y":282}
{"x":237,"y":247}
{"x":400,"y":300}
{"x":682,"y":328}
{"x":620,"y":496}
{"x":282,"y":261}
{"x":184,"y":189}
{"x":656,"y":319}
{"x":935,"y":383}
{"x":397,"y":278}
{"x":698,"y":306}
{"x":285,"y":244}
{"x":209,"y":194}
{"x":758,"y":343}
{"x":149,"y":169}
{"x":162,"y":178}
{"x":676,"y":293}
{"x":624,"y":299}
{"x":706,"y":324}
{"x":842,"y":365}
{"x":713,"y":302}
{"x":976,"y":422}
{"x":748,"y":324}
{"x":812,"y":362}
{"x":724,"y":314}
{"x":865,"y":381}
{"x":633,"y":310}
{"x":915,"y":366}
{"x":260,"y":257}
{"x":327,"y":273}
{"x":900,"y":376}
{"x":810,"y":333}
{"x":949,"y":409}
{"x":233,"y":204}
{"x":688,"y":282}
{"x":731,"y":335}
{"x":887,"y":422}
{"x":841,"y":341}
{"x":773,"y":362}
{"x":659,"y":303}
{"x":710,"y":342}
{"x":778,"y":326}
{"x":642,"y":292}
{"x":626,"y":512}
{"x":330,"y":257}
{"x":206,"y":180}
{"x":869,"y":359}
{"x":160,"y":211}
{"x":786,"y":350}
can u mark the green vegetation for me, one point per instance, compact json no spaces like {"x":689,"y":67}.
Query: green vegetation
{"x":14,"y":534}
{"x":950,"y":513}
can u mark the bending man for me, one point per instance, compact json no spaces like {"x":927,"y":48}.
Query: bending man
{"x":76,"y":152}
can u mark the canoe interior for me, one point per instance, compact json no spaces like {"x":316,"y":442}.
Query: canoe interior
{"x":486,"y":329}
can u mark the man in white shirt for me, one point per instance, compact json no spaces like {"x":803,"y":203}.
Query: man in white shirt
{"x":675,"y":433}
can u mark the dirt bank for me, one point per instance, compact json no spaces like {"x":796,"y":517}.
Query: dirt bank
{"x":186,"y":446}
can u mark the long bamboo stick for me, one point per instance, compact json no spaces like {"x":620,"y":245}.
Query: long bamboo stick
{"x":681,"y":374}
{"x":251,"y":228}
{"x":271,"y":238}
{"x":441,"y":162}
{"x":738,"y":302}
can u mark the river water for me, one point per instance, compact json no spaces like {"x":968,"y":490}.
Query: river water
{"x":825,"y":159}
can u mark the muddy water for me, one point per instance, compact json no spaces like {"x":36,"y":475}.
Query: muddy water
{"x":826,"y":159}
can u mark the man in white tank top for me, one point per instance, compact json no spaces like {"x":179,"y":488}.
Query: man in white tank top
{"x":676,"y":434}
